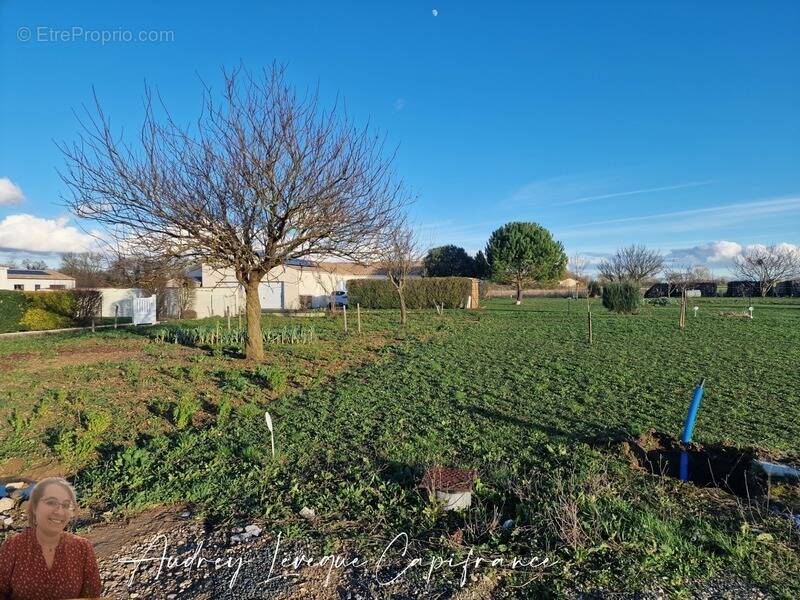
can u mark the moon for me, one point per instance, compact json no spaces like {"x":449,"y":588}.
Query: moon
{"x":435,"y":12}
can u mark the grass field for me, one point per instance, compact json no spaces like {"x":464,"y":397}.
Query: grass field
{"x":514,"y":392}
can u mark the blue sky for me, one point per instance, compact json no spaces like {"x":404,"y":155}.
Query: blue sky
{"x":675,"y":124}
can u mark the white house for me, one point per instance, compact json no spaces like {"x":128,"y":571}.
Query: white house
{"x":215,"y":291}
{"x":295,"y":285}
{"x":31,"y":280}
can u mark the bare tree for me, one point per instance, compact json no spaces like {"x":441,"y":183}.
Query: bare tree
{"x":88,"y":268}
{"x":400,"y":253}
{"x":262,"y":177}
{"x":577,"y":264}
{"x":683,"y":277}
{"x":184,"y":294}
{"x":149,"y":273}
{"x":633,"y":263}
{"x":34,"y":264}
{"x":768,"y":265}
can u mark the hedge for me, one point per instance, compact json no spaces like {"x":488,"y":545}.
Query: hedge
{"x":419,"y":293}
{"x":23,"y":311}
{"x":60,"y":303}
{"x":12,"y":308}
{"x":38,"y":319}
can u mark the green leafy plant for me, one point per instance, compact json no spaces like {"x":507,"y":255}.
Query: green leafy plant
{"x":184,"y":409}
{"x":77,"y":447}
{"x":271,"y":376}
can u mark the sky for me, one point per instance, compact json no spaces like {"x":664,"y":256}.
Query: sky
{"x":671,"y":124}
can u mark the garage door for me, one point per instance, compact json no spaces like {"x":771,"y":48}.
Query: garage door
{"x":271,"y":295}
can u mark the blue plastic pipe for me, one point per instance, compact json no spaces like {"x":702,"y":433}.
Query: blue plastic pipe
{"x":688,"y":428}
{"x":691,"y":417}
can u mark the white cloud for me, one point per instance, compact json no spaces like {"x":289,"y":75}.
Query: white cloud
{"x":399,"y":104}
{"x":696,"y":219}
{"x":577,"y":189}
{"x":665,"y":188}
{"x":26,"y":233}
{"x":10,"y":192}
{"x":717,"y":255}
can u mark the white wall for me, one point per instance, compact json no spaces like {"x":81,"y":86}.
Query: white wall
{"x":119,"y":297}
{"x":297,"y":281}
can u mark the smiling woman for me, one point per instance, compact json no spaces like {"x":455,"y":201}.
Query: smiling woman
{"x":45,"y":562}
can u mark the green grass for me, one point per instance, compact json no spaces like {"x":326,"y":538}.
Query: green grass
{"x":513,"y":391}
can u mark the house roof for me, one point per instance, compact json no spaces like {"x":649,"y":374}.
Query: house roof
{"x":346,"y":268}
{"x":36,"y":274}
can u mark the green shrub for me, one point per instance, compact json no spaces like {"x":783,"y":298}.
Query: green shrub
{"x":39,"y":319}
{"x":77,"y":448}
{"x":621,"y":296}
{"x":419,"y":293}
{"x":12,"y":308}
{"x":271,"y":376}
{"x":595,"y":289}
{"x":61,"y":303}
{"x":184,"y":410}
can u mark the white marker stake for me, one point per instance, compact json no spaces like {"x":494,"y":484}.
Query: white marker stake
{"x":268,"y":419}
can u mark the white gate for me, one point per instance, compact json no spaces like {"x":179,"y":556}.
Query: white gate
{"x":144,"y":311}
{"x":271,"y":295}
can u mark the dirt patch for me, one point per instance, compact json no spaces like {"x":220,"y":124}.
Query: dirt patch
{"x":67,"y":357}
{"x":109,"y":538}
{"x":14,"y":467}
{"x":728,"y":468}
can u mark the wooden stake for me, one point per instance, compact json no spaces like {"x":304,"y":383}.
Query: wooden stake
{"x":344,"y":312}
{"x":682,"y":320}
{"x":116,"y":313}
{"x":92,"y":324}
{"x":591,"y":340}
{"x":228,"y":314}
{"x":358,"y":316}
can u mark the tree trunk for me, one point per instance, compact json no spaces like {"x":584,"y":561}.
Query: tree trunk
{"x":254,"y":346}
{"x":403,"y":318}
{"x":519,"y":291}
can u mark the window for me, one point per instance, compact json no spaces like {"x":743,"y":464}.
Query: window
{"x":56,"y":287}
{"x":18,"y":286}
{"x":37,"y":287}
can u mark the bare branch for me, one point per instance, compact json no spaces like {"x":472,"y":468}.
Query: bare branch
{"x":261,"y":178}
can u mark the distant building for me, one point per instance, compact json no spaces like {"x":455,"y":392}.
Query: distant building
{"x":294,"y":285}
{"x":31,"y":280}
{"x":570,"y":282}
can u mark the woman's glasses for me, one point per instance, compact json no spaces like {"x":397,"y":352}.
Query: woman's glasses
{"x":67,"y":505}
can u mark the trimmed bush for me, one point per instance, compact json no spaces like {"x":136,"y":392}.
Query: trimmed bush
{"x":12,"y":308}
{"x":419,"y":293}
{"x":38,"y":319}
{"x":595,"y":289}
{"x":622,"y":296}
{"x":61,"y":303}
